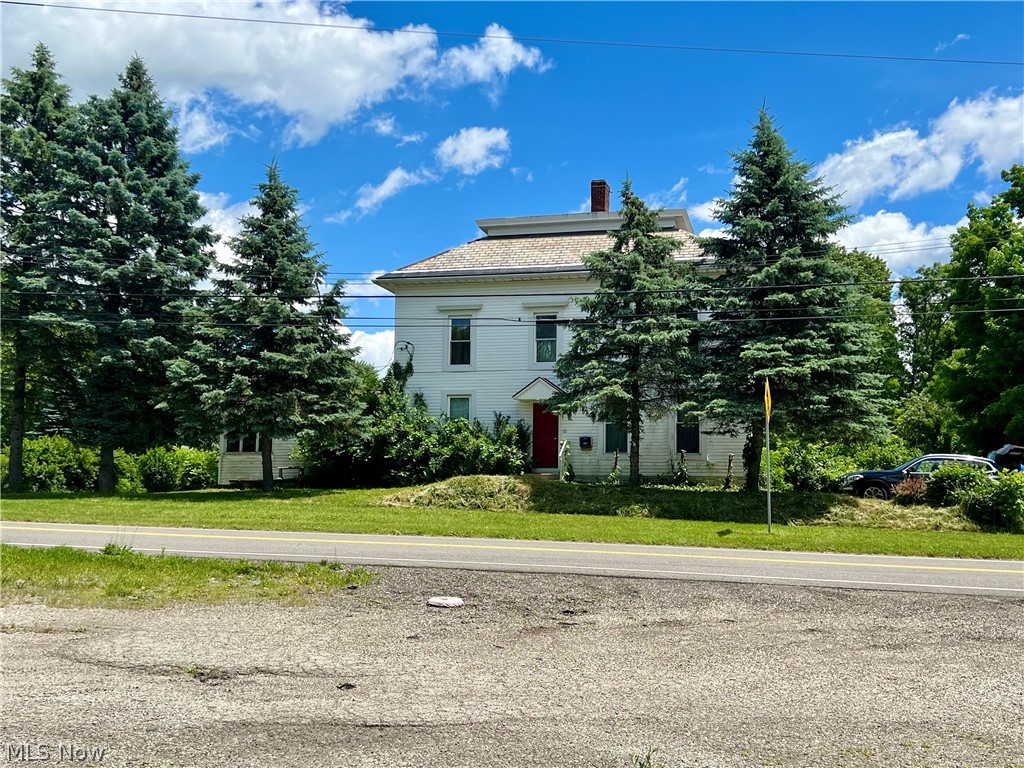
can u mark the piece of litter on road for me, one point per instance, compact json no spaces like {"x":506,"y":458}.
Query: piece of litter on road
{"x":446,"y":601}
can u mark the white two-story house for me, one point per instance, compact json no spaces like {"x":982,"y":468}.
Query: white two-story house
{"x":484,"y":324}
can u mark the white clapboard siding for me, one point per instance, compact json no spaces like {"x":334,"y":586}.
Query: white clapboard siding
{"x":502,"y":363}
{"x":248,"y":467}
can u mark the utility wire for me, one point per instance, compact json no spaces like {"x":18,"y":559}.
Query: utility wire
{"x":555,"y":294}
{"x":529,"y":39}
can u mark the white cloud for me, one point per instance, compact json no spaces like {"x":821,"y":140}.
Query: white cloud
{"x":223,"y":218}
{"x":902,"y":163}
{"x":198,"y":127}
{"x":473,"y":150}
{"x":386,"y":125}
{"x":490,"y":61}
{"x":522,"y":173}
{"x":712,"y":232}
{"x":902,"y":244}
{"x":675,"y":196}
{"x":371,"y":197}
{"x":317,"y":77}
{"x":704,"y":211}
{"x":376,"y":349}
{"x":950,"y":43}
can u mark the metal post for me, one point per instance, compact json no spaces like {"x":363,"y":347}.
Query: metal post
{"x":768,"y":448}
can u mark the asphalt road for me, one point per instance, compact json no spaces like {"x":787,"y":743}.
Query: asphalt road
{"x":918,"y":574}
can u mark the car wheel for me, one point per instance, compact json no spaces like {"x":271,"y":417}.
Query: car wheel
{"x":875,"y":491}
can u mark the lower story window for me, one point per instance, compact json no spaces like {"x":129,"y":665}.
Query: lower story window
{"x":615,"y":438}
{"x":458,"y":407}
{"x":242,"y":443}
{"x":687,"y":433}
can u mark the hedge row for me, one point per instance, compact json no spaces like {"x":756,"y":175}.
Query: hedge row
{"x":54,"y":464}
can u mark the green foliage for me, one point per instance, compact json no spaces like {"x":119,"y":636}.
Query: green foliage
{"x":909,"y":492}
{"x":951,"y":481}
{"x":809,"y":466}
{"x":404,"y":445}
{"x":782,"y":309}
{"x":633,"y":345}
{"x":999,"y":504}
{"x":126,"y":471}
{"x":130,"y":223}
{"x":888,"y":453}
{"x":980,"y":379}
{"x":56,"y":464}
{"x":42,"y":345}
{"x":270,"y":355}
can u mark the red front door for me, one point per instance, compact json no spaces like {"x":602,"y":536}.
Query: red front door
{"x":545,"y":437}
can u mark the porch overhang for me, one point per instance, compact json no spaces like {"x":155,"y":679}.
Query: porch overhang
{"x":537,"y":391}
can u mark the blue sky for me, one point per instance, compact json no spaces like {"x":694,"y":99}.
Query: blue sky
{"x":398,"y":141}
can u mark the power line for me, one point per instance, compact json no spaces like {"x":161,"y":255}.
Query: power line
{"x":528,"y":39}
{"x":694,"y":291}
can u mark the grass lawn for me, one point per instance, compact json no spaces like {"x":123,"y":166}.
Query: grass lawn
{"x":119,"y":578}
{"x":531,"y":508}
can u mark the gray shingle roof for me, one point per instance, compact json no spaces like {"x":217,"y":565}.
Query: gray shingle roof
{"x":527,"y":253}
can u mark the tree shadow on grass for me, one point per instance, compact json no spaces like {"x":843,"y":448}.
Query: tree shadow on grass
{"x":218,"y":495}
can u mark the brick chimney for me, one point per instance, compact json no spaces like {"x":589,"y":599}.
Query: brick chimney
{"x":600,"y":196}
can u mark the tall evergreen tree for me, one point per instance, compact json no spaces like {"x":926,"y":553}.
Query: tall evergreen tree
{"x":629,"y":350}
{"x":271,"y":355}
{"x":43,"y":346}
{"x":132,"y":222}
{"x":781,"y":310}
{"x":983,"y":377}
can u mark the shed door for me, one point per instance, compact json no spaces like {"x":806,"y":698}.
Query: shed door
{"x":545,"y":437}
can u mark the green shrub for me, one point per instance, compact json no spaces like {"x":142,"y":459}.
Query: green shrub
{"x":54,"y":463}
{"x":160,"y":470}
{"x":910,"y":491}
{"x":126,"y":474}
{"x":951,"y":480}
{"x":198,"y":469}
{"x":891,"y":452}
{"x":999,"y":504}
{"x":404,"y":445}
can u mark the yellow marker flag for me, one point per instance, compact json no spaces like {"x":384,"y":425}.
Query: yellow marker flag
{"x":767,"y":401}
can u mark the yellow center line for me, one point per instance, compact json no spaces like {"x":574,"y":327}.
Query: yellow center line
{"x":516,"y":548}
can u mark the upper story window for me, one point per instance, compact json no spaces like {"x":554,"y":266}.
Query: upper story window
{"x":546,"y":340}
{"x":460,"y":343}
{"x":238,"y":443}
{"x":687,"y":433}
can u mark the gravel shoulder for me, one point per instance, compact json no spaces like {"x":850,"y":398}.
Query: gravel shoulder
{"x":536,"y":670}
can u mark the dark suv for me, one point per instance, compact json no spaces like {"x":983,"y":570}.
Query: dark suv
{"x":878,"y":483}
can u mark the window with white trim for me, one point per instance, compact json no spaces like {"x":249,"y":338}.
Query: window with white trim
{"x":687,"y":433}
{"x":460,"y":342}
{"x":239,"y":443}
{"x":616,"y":439}
{"x":458,"y":407}
{"x":545,"y":338}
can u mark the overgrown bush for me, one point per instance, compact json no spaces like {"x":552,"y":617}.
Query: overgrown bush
{"x":810,"y":466}
{"x":950,"y":481}
{"x":177,"y":469}
{"x":159,"y":470}
{"x":404,"y":445}
{"x":198,"y":469}
{"x":999,"y":504}
{"x":910,"y":491}
{"x":55,"y":463}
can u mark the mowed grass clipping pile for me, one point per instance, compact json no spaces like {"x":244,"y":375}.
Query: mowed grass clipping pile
{"x":120,"y":578}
